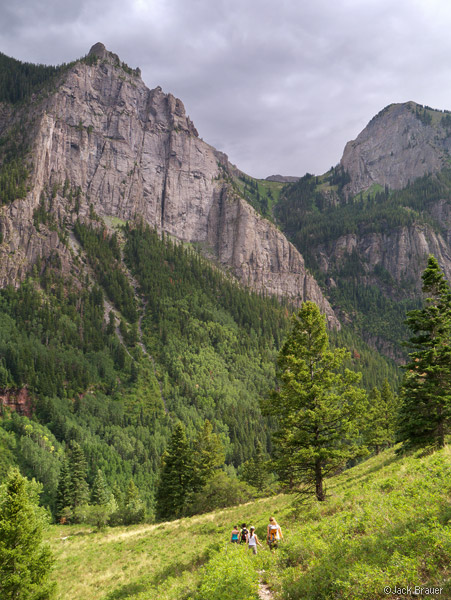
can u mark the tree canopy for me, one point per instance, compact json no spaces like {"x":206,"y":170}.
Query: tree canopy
{"x":25,"y":562}
{"x":425,"y":415}
{"x":317,"y":405}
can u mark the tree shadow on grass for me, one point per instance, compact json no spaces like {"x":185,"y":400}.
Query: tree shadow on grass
{"x":126,"y":591}
{"x":177,"y":570}
{"x":353,"y":477}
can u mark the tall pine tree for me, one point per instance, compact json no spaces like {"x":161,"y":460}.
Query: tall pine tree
{"x":318,"y":406}
{"x":382,"y":418}
{"x":208,"y":455}
{"x":425,"y":415}
{"x":175,"y":477}
{"x":63,"y":492}
{"x":25,"y":562}
{"x":77,"y":468}
{"x":100,"y":493}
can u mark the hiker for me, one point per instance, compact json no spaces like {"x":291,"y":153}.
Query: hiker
{"x":252,"y":541}
{"x":243,"y":534}
{"x":234,"y":538}
{"x":274,"y":534}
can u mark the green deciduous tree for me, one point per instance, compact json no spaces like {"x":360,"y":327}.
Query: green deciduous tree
{"x":425,"y":415}
{"x":25,"y":562}
{"x":318,"y":406}
{"x":134,"y":509}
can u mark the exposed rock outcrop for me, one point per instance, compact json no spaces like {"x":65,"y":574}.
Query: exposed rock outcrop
{"x":133,"y":153}
{"x":17,"y":400}
{"x":402,"y":252}
{"x":401,"y":143}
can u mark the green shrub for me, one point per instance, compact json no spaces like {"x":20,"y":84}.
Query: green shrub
{"x":219,"y":492}
{"x":230,"y":575}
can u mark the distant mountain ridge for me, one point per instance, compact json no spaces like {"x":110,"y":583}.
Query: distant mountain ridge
{"x":283,"y":178}
{"x":367,"y":226}
{"x":401,"y":143}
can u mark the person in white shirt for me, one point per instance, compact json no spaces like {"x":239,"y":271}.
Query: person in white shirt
{"x":252,"y":540}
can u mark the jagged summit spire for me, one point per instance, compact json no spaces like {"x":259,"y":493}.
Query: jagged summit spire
{"x":98,"y":50}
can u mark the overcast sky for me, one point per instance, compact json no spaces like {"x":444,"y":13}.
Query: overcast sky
{"x":278,"y":85}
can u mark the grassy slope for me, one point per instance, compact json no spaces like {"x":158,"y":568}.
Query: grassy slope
{"x":386,"y":522}
{"x":148,"y":561}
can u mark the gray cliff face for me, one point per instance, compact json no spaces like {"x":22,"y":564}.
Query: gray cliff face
{"x":259,"y":252}
{"x":403,"y":142}
{"x":402,"y":252}
{"x":133,"y":153}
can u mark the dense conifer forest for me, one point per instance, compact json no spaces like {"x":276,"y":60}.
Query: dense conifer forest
{"x":18,"y":80}
{"x":181,"y":342}
{"x":314,"y":213}
{"x":143,"y":339}
{"x":208,"y":352}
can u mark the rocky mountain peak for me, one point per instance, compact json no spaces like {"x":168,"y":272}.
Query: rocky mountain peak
{"x":401,"y":143}
{"x":98,"y":50}
{"x":129,"y":152}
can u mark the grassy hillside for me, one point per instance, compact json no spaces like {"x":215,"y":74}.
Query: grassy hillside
{"x":386,"y":523}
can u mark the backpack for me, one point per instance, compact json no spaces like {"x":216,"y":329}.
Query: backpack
{"x":273,"y":533}
{"x":244,"y":532}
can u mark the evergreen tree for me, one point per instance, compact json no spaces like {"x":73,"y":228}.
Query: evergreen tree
{"x":175,"y":477}
{"x":317,"y":405}
{"x":77,"y":469}
{"x":255,"y":471}
{"x":390,"y":410}
{"x":425,"y":415}
{"x":208,"y":456}
{"x":383,"y":408}
{"x":25,"y":562}
{"x":99,"y":491}
{"x":63,"y":492}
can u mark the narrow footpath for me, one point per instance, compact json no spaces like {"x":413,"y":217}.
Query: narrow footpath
{"x":264,"y":591}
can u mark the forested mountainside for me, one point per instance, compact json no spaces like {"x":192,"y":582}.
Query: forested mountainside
{"x":366,"y":227}
{"x":145,"y":282}
{"x":112,"y":331}
{"x":187,"y":343}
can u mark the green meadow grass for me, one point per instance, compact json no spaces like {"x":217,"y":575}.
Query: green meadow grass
{"x":150,"y":561}
{"x":386,"y":522}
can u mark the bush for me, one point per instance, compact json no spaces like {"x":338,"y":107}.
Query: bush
{"x":230,"y":575}
{"x":219,"y":492}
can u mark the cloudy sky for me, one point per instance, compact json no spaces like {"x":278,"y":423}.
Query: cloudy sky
{"x":279,"y":85}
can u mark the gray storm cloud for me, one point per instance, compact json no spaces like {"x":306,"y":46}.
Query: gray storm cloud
{"x":279,"y":86}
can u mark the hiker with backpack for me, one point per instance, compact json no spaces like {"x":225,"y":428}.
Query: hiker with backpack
{"x":243,"y":534}
{"x":274,"y":534}
{"x":253,"y":540}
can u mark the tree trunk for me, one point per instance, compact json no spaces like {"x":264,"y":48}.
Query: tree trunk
{"x":319,"y":481}
{"x":440,"y":429}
